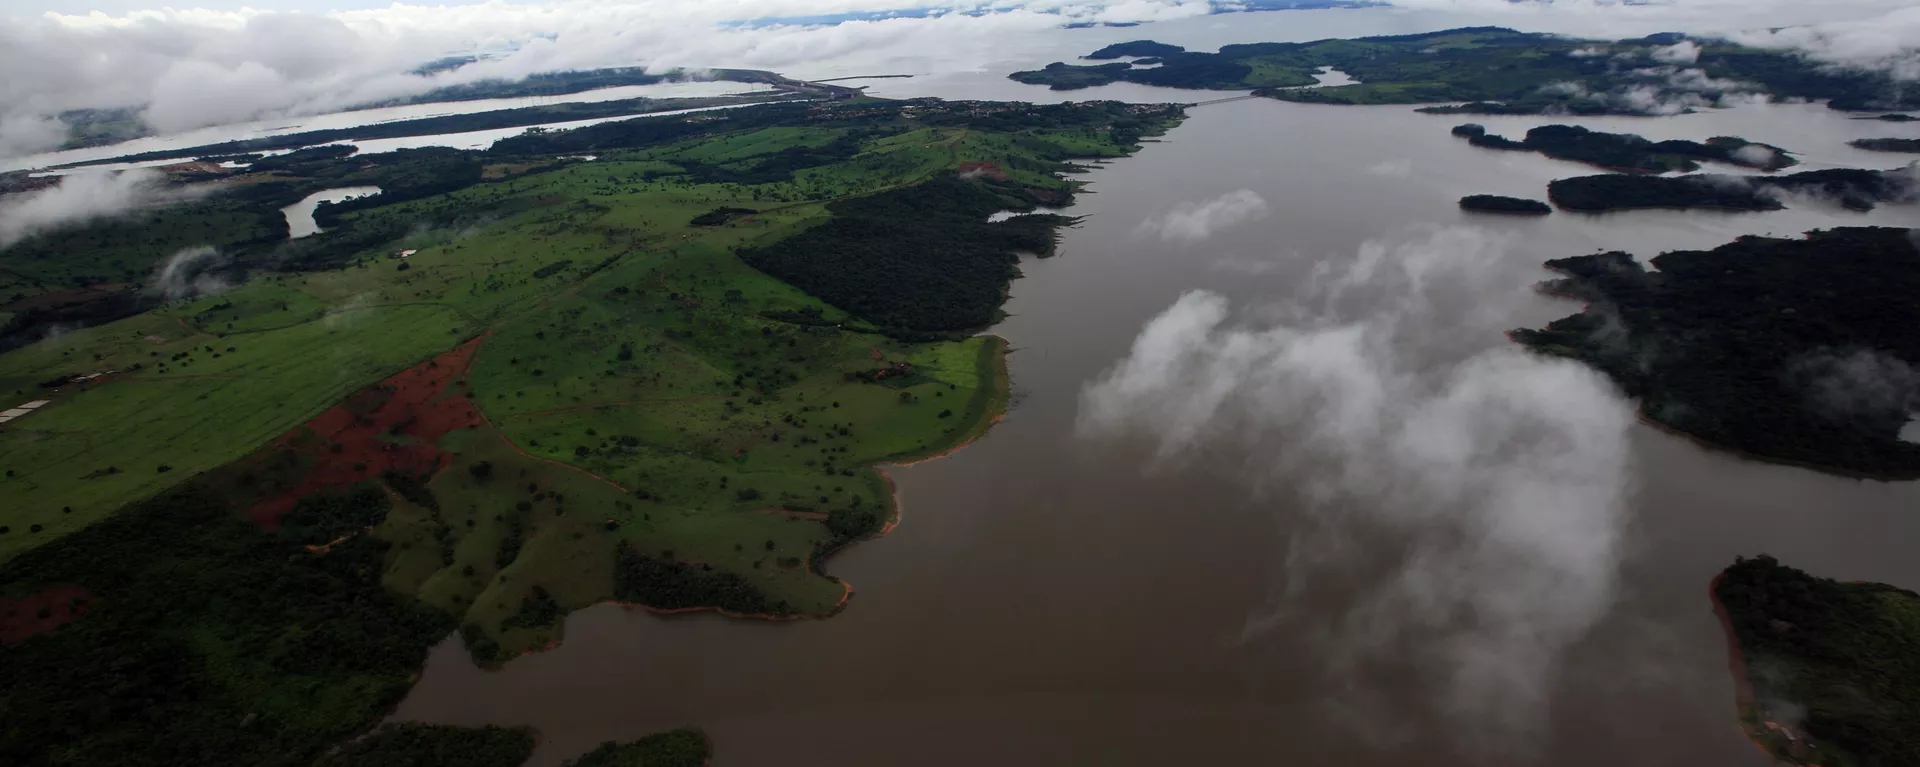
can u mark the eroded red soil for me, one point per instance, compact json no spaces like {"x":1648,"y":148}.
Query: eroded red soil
{"x":394,"y":426}
{"x":21,"y":619}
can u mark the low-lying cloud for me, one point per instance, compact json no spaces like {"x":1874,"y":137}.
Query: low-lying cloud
{"x":79,"y":198}
{"x":1845,"y":385}
{"x":1464,"y":498}
{"x":181,"y":68}
{"x":1193,"y":222}
{"x":189,"y":273}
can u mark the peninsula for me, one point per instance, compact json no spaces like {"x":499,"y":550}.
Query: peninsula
{"x":1852,"y":188}
{"x":1628,"y":153}
{"x":270,"y":473}
{"x":1492,"y":70}
{"x":1789,"y":350}
{"x":1909,"y":145}
{"x":1826,"y":672}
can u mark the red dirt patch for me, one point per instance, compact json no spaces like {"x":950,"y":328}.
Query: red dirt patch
{"x":394,"y":425}
{"x":21,"y":619}
{"x":982,"y":168}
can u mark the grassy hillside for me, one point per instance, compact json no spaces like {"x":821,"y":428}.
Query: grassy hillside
{"x":275,"y":497}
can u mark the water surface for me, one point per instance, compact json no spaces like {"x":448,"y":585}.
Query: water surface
{"x":1050,"y":598}
{"x":299,"y":215}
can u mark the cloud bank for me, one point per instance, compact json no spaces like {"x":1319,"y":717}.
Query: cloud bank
{"x":1193,"y":222}
{"x":189,"y":272}
{"x":190,"y":67}
{"x":79,"y":198}
{"x":1465,"y":503}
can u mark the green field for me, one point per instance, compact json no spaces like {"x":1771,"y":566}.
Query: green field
{"x":643,"y":416}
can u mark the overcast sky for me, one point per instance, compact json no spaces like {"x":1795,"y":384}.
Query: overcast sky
{"x":209,"y":62}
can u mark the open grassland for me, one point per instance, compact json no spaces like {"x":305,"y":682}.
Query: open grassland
{"x":262,"y":506}
{"x":179,"y":402}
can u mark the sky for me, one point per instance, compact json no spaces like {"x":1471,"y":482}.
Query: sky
{"x":212,"y":62}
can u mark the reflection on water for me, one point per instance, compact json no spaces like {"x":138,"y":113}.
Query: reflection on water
{"x":300,"y":221}
{"x":1052,"y":598}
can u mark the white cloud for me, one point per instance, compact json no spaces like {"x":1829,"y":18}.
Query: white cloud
{"x":1683,"y":52}
{"x":189,"y":273}
{"x":1193,"y":222}
{"x":1470,"y":496}
{"x":79,"y":198}
{"x":192,"y":66}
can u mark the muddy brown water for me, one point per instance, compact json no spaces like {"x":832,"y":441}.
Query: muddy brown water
{"x":1050,"y":599}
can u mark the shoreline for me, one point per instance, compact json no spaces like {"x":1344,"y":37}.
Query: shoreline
{"x":1706,"y":444}
{"x":1763,"y":733}
{"x":996,"y":411}
{"x":1743,"y":692}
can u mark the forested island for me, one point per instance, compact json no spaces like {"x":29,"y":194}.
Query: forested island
{"x":1629,"y":153}
{"x":1492,"y":70}
{"x":1493,"y":203}
{"x":1828,"y":673}
{"x":264,"y":476}
{"x":1910,"y":145}
{"x":1799,"y":351}
{"x":1852,"y":188}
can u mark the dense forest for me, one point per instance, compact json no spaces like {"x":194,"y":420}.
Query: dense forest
{"x":1494,"y":70}
{"x":1630,"y":153}
{"x":1493,"y":203}
{"x":1839,"y":662}
{"x":432,"y":745}
{"x":674,"y":748}
{"x":668,"y":584}
{"x":1142,"y":48}
{"x":923,"y":258}
{"x":1851,"y":188}
{"x":205,"y":639}
{"x":1886,"y":144}
{"x":1796,"y":350}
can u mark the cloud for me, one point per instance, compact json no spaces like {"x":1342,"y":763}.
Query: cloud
{"x":1756,"y":155}
{"x":189,"y":272}
{"x":188,"y":67}
{"x":1683,"y":52}
{"x":1854,"y":384}
{"x":1396,"y":168}
{"x":79,"y":198}
{"x":1464,"y":501}
{"x":1191,"y":222}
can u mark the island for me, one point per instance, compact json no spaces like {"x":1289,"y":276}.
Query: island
{"x":1493,"y":70}
{"x":1825,"y":672}
{"x":1493,"y":203}
{"x":1796,"y":351}
{"x":1628,"y":153}
{"x":1909,"y":145}
{"x":1137,"y":48}
{"x":242,"y":502}
{"x":1852,"y":188}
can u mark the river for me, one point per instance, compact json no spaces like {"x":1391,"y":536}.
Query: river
{"x":1055,"y":597}
{"x":299,"y":215}
{"x":276,"y":126}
